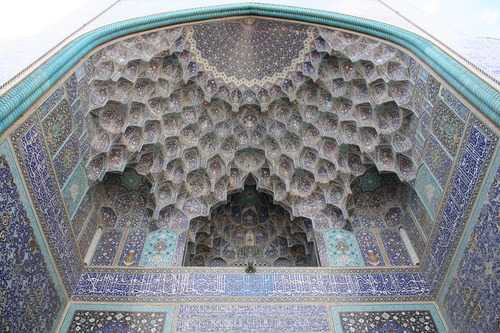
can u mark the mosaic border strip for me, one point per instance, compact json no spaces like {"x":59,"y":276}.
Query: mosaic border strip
{"x":21,"y":97}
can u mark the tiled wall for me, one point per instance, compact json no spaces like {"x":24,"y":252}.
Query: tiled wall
{"x":470,"y":297}
{"x":51,"y":149}
{"x":270,"y":317}
{"x":31,"y":298}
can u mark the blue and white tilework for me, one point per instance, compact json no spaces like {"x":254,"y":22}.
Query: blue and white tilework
{"x":159,"y":248}
{"x":173,"y":287}
{"x":75,"y":189}
{"x":437,"y":160}
{"x":29,"y":300}
{"x":454,"y":103}
{"x":476,"y":152}
{"x":394,"y":247}
{"x":387,"y":318}
{"x":132,"y":249}
{"x":428,"y":190}
{"x":47,"y":198}
{"x":342,"y":248}
{"x":369,"y":248}
{"x":66,"y":160}
{"x":472,"y":299}
{"x":252,"y":318}
{"x":107,"y":248}
{"x":110,"y":318}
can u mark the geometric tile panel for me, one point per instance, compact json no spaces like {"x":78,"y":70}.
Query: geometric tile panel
{"x":472,"y":300}
{"x":159,"y":248}
{"x":253,"y":318}
{"x":395,"y":248}
{"x":109,"y":318}
{"x":387,"y":318}
{"x":29,"y":301}
{"x":342,"y":248}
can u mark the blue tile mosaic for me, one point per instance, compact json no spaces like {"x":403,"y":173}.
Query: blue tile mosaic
{"x":342,"y":248}
{"x":387,"y":318}
{"x":252,"y":318}
{"x":107,"y":248}
{"x":394,"y":247}
{"x":51,"y":102}
{"x":28,"y":145}
{"x":159,"y":249}
{"x":447,"y":127}
{"x":475,"y":155}
{"x":428,"y":190}
{"x":369,"y":248}
{"x":472,"y":299}
{"x":172,"y":287}
{"x":75,"y":189}
{"x":437,"y":160}
{"x":132,"y":249}
{"x":110,"y":318}
{"x":66,"y":160}
{"x":58,"y":126}
{"x":29,"y":301}
{"x":454,"y":103}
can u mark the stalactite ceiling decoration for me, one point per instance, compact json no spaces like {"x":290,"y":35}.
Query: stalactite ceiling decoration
{"x":303,"y":109}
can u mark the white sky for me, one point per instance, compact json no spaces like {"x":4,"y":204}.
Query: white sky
{"x":476,"y":18}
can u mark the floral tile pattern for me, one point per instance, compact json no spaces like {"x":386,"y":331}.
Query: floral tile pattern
{"x":109,"y":318}
{"x":35,"y":166}
{"x":159,"y":248}
{"x":401,"y":318}
{"x":472,"y":298}
{"x":29,"y":301}
{"x":342,"y":248}
{"x":428,"y":190}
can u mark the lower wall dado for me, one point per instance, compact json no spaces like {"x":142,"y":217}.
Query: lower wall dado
{"x":269,"y":317}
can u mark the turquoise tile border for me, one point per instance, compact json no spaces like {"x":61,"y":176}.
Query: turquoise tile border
{"x":15,"y":102}
{"x":117,"y":307}
{"x":386,"y":307}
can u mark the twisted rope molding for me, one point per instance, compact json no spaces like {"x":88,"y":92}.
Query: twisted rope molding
{"x":16,"y":101}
